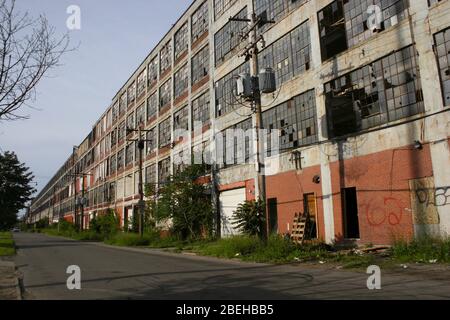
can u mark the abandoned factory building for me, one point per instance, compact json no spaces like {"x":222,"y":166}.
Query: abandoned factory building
{"x":361,"y":107}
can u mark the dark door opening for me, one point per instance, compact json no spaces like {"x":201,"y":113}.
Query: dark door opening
{"x":350,"y":212}
{"x":310,"y":207}
{"x":273,"y":216}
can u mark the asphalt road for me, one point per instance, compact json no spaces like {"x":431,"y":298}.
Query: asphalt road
{"x":111,"y":273}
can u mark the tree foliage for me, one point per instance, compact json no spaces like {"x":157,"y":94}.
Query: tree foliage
{"x":184,"y":202}
{"x":15,"y":188}
{"x":249,"y":217}
{"x":28,"y":50}
{"x":105,"y":225}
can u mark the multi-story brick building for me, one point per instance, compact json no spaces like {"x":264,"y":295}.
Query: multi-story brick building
{"x":361,"y":109}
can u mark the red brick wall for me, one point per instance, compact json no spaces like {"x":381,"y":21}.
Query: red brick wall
{"x":289,"y":189}
{"x":382,"y":183}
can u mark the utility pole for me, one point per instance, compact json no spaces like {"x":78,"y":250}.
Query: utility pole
{"x":74,"y":184}
{"x":82,"y":203}
{"x":141,"y":145}
{"x":251,"y":53}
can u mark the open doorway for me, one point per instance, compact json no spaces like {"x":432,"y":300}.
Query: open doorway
{"x":350,"y":213}
{"x":310,"y":207}
{"x":273,"y":216}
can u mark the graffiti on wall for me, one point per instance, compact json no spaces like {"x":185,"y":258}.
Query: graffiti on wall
{"x":386,"y":210}
{"x":425,"y":200}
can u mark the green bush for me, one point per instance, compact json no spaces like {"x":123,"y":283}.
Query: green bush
{"x":42,"y":224}
{"x":7,"y":247}
{"x":133,"y":239}
{"x":424,"y":249}
{"x":231,"y":247}
{"x":249,"y":217}
{"x":105,"y":226}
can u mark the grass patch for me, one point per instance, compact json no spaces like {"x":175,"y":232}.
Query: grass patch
{"x":275,"y":250}
{"x":423,"y":250}
{"x":131,"y":239}
{"x":7,"y":247}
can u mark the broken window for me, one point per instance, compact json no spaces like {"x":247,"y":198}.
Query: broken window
{"x":123,"y":103}
{"x":120,"y":159}
{"x":275,"y":10}
{"x":130,"y":122}
{"x":227,"y":39}
{"x":180,"y":122}
{"x":181,"y":41}
{"x":222,"y":6}
{"x":199,"y":24}
{"x":166,"y":57}
{"x":296,"y":120}
{"x":152,"y":105}
{"x":115,"y":112}
{"x":164,"y":133}
{"x":150,"y":175}
{"x":226,"y":99}
{"x":121,"y":131}
{"x":344,"y":24}
{"x":165,"y":94}
{"x":129,"y":154}
{"x":151,"y":143}
{"x":200,"y":110}
{"x":153,"y":71}
{"x":289,"y":55}
{"x":432,"y":2}
{"x":181,"y":81}
{"x":181,"y":161}
{"x":131,"y":92}
{"x":114,"y":137}
{"x":141,"y":83}
{"x":113,"y":164}
{"x":357,"y":16}
{"x":237,"y":144}
{"x":442,"y":43}
{"x":164,"y":171}
{"x":201,"y":154}
{"x":332,"y":30}
{"x":140,"y":115}
{"x":200,"y":65}
{"x":386,"y":90}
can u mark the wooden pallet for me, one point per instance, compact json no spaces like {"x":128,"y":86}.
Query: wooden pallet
{"x":299,"y":228}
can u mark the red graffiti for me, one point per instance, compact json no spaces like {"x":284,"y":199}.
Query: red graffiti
{"x":390,"y":212}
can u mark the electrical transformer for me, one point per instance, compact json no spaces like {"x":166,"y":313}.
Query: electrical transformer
{"x":244,"y":86}
{"x":267,"y":82}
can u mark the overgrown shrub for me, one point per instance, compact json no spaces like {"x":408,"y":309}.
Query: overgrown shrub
{"x":184,"y":202}
{"x":133,"y":239}
{"x":42,"y":224}
{"x":423,"y":249}
{"x":249,"y":217}
{"x":105,"y":225}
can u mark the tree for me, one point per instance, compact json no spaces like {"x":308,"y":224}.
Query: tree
{"x":28,"y":50}
{"x":15,"y":188}
{"x":184,"y":202}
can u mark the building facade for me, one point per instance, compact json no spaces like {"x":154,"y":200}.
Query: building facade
{"x":361,"y":113}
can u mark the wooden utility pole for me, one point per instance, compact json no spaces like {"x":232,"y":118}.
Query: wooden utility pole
{"x":251,"y":52}
{"x":141,"y":146}
{"x":141,"y":206}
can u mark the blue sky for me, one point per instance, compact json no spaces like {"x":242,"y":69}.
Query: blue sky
{"x":114,"y":39}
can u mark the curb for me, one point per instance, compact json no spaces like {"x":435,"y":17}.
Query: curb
{"x":9,"y":267}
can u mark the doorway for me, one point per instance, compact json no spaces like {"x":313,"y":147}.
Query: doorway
{"x":350,"y":213}
{"x":273,"y":216}
{"x":310,"y":208}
